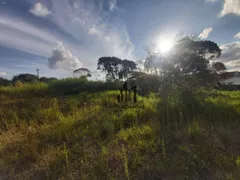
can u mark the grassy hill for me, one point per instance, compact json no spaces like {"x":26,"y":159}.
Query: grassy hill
{"x":78,"y":130}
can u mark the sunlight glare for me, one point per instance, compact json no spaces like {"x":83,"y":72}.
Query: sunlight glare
{"x":165,"y":45}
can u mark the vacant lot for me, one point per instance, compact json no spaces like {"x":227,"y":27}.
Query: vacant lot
{"x":48,"y":133}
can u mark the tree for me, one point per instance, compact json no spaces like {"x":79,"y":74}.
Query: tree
{"x":110,"y":65}
{"x":219,"y":67}
{"x":4,"y":82}
{"x":188,"y":57}
{"x":126,"y":68}
{"x":25,"y":78}
{"x":153,"y":60}
{"x":82,"y":72}
{"x":192,"y":56}
{"x":116,"y":68}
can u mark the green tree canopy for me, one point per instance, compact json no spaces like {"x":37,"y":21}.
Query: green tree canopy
{"x":25,"y":78}
{"x":82,"y":72}
{"x":116,"y":68}
{"x":187,"y":57}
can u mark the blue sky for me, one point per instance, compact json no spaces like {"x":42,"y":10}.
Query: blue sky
{"x":57,"y":36}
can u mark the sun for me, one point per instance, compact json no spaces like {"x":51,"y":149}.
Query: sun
{"x":165,"y":45}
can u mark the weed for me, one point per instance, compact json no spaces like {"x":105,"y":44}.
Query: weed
{"x":194,"y":128}
{"x":65,"y":152}
{"x":75,"y":129}
{"x":238,"y":161}
{"x":126,"y":170}
{"x":164,"y":154}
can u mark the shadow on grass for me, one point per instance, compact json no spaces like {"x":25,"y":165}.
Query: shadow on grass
{"x":75,"y":86}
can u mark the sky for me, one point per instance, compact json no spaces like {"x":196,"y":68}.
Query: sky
{"x":59,"y":36}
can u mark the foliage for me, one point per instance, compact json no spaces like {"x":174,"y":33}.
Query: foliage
{"x":218,"y":67}
{"x":116,"y":68}
{"x":25,"y":78}
{"x":89,"y":135}
{"x":19,"y":84}
{"x":70,"y":86}
{"x":4,"y":82}
{"x":146,"y":83}
{"x":188,"y":57}
{"x":153,"y":60}
{"x":47,"y":79}
{"x":82,"y":72}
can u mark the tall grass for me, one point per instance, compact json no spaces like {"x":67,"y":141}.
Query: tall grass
{"x":74,"y":129}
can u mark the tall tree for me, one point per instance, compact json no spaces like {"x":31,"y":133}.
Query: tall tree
{"x":192,"y":57}
{"x":82,"y":72}
{"x":187,"y":57}
{"x":116,"y":68}
{"x":153,"y":60}
{"x":110,"y":65}
{"x":126,"y":68}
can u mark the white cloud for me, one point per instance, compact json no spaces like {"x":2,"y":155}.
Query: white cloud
{"x":94,"y":31}
{"x":230,"y":7}
{"x":23,"y":42}
{"x":107,"y":38}
{"x":3,"y":74}
{"x":78,"y":20}
{"x":231,"y":55}
{"x":40,"y":10}
{"x":237,"y":35}
{"x":112,"y":37}
{"x":16,"y":24}
{"x":18,"y":34}
{"x":212,"y":0}
{"x":112,"y":4}
{"x":205,"y":33}
{"x":62,"y":58}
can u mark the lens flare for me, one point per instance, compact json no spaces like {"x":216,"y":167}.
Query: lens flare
{"x":165,"y":46}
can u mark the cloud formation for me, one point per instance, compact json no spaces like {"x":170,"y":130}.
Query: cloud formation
{"x":86,"y":30}
{"x":3,"y":74}
{"x":231,"y":55}
{"x":112,"y":4}
{"x":212,"y":0}
{"x":237,"y":35}
{"x":62,"y":58}
{"x":94,"y":31}
{"x":15,"y":31}
{"x":205,"y":33}
{"x":101,"y":33}
{"x":230,"y":7}
{"x":40,"y":10}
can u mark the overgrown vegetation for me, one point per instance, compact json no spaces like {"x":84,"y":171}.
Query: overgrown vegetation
{"x":180,"y":127}
{"x":76,"y":129}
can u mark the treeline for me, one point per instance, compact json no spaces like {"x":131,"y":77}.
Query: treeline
{"x":25,"y":78}
{"x":190,"y":62}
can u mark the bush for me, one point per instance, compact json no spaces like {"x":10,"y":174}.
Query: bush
{"x":146,"y":83}
{"x":4,"y":82}
{"x":19,"y":84}
{"x":76,"y":85}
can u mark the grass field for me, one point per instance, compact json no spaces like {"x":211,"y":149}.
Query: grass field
{"x":52,"y":132}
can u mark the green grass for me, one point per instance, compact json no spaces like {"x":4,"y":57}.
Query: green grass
{"x":51,"y":132}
